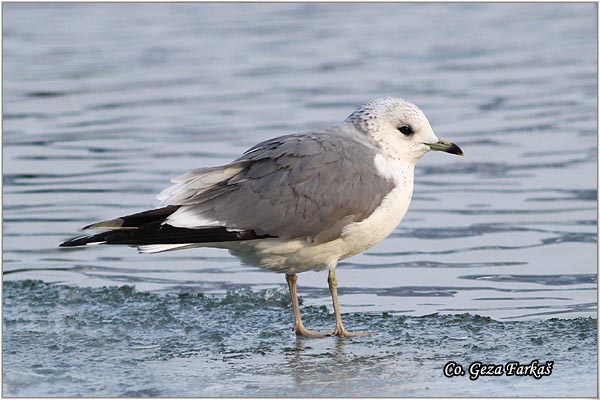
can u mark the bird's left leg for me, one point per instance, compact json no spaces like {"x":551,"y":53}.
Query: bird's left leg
{"x":339,"y":326}
{"x":299,"y":328}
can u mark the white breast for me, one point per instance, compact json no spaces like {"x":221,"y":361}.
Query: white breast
{"x":362,"y":235}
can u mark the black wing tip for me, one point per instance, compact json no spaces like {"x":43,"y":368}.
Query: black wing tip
{"x":72,"y":243}
{"x":164,"y":234}
{"x":83,"y":240}
{"x":113,"y":227}
{"x":85,"y":228}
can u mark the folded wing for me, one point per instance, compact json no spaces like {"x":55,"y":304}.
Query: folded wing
{"x":298,"y":186}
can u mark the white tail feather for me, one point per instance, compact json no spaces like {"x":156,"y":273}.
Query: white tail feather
{"x":159,"y":248}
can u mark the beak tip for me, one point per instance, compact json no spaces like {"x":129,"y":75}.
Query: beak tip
{"x":447,"y":147}
{"x":454,"y":149}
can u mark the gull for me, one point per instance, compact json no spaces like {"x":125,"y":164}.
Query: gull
{"x":294,"y":203}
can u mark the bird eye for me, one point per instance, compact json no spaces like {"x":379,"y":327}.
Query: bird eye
{"x":406,"y":130}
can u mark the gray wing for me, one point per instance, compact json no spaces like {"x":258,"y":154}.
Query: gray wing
{"x":303,"y":185}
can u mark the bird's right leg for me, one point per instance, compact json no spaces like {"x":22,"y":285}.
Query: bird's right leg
{"x":299,"y":328}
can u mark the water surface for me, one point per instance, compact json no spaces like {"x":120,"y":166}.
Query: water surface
{"x":198,"y":346}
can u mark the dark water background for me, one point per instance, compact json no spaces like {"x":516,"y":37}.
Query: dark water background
{"x":495,"y":260}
